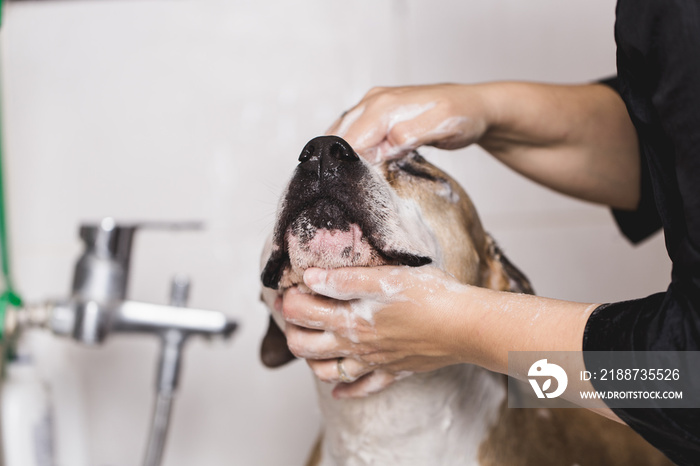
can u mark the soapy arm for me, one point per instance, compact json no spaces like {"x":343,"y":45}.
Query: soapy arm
{"x":418,"y":320}
{"x":575,"y":139}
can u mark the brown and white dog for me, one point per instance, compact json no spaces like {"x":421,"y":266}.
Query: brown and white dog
{"x":338,"y":210}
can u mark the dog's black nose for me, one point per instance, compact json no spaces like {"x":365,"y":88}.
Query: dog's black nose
{"x":326,"y":154}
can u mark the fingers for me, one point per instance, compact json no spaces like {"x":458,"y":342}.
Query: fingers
{"x":319,"y":327}
{"x":314,"y":344}
{"x":363,"y":129}
{"x":364,"y":382}
{"x":391,"y":122}
{"x":381,"y":129}
{"x":313,"y":312}
{"x":356,"y":381}
{"x":368,"y":127}
{"x":350,"y":283}
{"x":365,"y":132}
{"x":341,"y":126}
{"x":329,"y":370}
{"x":347,"y":119}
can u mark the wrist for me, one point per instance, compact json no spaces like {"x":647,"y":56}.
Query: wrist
{"x":465,"y":336}
{"x":468,"y":109}
{"x":492,"y":99}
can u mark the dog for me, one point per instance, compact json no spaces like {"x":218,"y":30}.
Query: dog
{"x":339,"y":210}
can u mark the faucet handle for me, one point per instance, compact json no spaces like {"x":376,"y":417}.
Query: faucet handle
{"x":165,"y":225}
{"x":102,"y":271}
{"x":112,"y":240}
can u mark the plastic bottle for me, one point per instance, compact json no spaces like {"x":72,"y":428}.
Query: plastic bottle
{"x":27,"y":422}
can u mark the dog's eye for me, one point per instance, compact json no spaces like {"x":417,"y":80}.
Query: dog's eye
{"x":414,"y":169}
{"x":416,"y":166}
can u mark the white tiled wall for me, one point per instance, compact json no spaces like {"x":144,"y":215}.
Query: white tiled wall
{"x":197,"y":109}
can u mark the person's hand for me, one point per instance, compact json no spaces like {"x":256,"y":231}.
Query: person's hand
{"x":389,"y":122}
{"x":386,"y":322}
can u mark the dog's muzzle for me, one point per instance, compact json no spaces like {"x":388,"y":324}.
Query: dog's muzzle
{"x":337,"y":212}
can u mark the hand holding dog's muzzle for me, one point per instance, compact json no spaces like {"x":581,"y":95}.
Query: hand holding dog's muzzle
{"x":367,"y":327}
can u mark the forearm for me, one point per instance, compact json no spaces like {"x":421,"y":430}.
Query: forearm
{"x":496,"y":322}
{"x":577,"y":140}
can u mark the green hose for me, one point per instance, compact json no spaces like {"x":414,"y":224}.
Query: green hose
{"x":9,"y":296}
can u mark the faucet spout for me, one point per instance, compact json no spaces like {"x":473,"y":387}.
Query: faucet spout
{"x":139,"y":317}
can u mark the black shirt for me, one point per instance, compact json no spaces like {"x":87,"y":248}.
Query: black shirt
{"x":658,"y":64}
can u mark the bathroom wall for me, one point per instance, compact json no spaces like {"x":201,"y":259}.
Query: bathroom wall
{"x":197,"y":109}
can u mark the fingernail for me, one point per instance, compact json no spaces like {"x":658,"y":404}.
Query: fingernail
{"x":315,"y":276}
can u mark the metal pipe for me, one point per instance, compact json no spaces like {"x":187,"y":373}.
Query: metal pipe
{"x":159,"y":430}
{"x":168,"y":374}
{"x":172,"y":341}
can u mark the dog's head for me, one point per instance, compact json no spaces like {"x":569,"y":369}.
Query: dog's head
{"x":338,"y":211}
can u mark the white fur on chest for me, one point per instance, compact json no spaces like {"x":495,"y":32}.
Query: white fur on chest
{"x":436,"y":418}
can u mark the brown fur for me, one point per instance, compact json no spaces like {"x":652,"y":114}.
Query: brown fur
{"x":554,"y":437}
{"x":467,"y":243}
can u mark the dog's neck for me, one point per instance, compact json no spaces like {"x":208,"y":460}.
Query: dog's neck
{"x":440,"y":417}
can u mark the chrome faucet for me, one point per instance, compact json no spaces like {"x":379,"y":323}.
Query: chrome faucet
{"x":98,"y":308}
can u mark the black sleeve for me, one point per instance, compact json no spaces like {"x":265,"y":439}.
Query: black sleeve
{"x":660,"y":83}
{"x":624,"y":326}
{"x":639,"y":224}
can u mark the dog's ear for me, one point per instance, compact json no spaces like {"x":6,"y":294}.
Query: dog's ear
{"x":274,"y":351}
{"x":501,"y":274}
